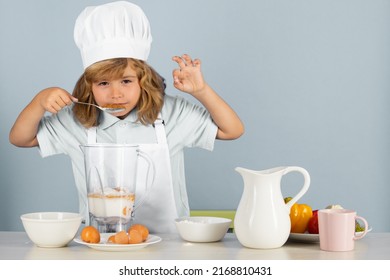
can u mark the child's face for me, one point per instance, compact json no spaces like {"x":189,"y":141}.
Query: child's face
{"x":125,"y":91}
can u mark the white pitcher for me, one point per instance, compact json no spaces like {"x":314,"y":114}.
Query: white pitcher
{"x":262,"y":219}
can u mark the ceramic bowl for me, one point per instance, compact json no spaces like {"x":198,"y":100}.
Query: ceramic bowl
{"x":51,"y":229}
{"x":202,"y":229}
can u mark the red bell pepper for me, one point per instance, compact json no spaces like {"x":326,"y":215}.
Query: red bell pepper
{"x":312,"y":226}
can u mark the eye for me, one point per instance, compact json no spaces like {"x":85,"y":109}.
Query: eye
{"x":127,"y":81}
{"x":103,"y":83}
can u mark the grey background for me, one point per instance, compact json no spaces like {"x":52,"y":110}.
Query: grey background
{"x":310,"y":80}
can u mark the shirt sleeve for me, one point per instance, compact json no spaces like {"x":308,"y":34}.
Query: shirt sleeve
{"x":188,"y":124}
{"x":58,"y":133}
{"x":48,"y":138}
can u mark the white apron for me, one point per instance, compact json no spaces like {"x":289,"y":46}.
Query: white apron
{"x":158,"y":209}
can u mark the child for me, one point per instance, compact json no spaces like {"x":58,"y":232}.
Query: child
{"x":116,"y":74}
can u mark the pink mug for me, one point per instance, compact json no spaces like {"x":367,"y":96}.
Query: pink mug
{"x":337,"y":229}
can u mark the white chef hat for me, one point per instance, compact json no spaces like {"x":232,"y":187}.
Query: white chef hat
{"x":112,"y":30}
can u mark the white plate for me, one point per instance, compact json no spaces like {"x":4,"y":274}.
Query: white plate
{"x":304,"y":237}
{"x":104,"y":246}
{"x":309,"y":237}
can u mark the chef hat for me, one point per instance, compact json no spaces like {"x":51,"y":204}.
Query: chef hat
{"x":112,"y":30}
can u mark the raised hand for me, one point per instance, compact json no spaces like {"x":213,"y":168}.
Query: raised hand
{"x":188,"y":77}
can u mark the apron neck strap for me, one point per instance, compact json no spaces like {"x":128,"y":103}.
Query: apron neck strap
{"x":91,"y":135}
{"x":160,"y":130}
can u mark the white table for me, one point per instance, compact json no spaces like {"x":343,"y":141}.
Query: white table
{"x":17,"y":246}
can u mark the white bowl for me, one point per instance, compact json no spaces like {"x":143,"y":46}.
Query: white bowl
{"x":202,"y":229}
{"x":51,"y":229}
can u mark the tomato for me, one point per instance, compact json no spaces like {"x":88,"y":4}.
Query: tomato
{"x":312,"y":226}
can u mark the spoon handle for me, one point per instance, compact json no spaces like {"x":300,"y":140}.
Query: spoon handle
{"x":83,"y":103}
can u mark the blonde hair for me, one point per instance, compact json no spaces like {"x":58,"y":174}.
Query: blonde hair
{"x":151,"y":83}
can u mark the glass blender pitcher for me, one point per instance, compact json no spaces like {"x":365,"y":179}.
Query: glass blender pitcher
{"x":111,"y":176}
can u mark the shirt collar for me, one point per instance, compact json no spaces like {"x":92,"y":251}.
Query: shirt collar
{"x":106,"y":119}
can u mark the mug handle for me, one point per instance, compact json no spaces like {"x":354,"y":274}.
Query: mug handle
{"x":151,"y":169}
{"x":360,"y":236}
{"x":305,"y":186}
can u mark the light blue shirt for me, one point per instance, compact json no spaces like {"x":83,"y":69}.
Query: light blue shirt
{"x":186,"y":125}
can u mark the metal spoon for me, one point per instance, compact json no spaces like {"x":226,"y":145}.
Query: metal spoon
{"x":108,"y":110}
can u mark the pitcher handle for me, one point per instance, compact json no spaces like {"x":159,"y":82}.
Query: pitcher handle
{"x":305,"y":186}
{"x":152,"y":169}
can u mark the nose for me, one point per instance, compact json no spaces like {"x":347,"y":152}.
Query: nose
{"x":116,"y":92}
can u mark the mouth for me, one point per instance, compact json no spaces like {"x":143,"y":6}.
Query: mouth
{"x":114,"y":106}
